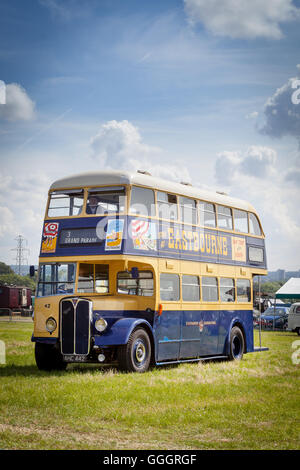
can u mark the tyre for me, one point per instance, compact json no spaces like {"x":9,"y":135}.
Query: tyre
{"x":136,"y":354}
{"x":298,"y":331}
{"x":48,"y":357}
{"x":237,"y":343}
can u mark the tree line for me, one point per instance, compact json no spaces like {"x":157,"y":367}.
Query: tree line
{"x":9,"y":277}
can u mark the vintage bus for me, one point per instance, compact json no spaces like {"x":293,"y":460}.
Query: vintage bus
{"x":137,"y":270}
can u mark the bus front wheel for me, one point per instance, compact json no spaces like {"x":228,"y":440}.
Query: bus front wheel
{"x":48,"y":357}
{"x":236,"y":344}
{"x":136,"y":354}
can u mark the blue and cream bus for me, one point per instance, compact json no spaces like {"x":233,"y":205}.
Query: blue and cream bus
{"x":137,"y":270}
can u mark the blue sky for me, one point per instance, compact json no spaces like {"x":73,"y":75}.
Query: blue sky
{"x":195,"y":89}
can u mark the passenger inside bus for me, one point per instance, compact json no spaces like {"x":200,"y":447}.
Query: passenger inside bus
{"x":106,"y":200}
{"x":93,"y":205}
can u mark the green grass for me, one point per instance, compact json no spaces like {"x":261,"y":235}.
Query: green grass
{"x":252,"y":404}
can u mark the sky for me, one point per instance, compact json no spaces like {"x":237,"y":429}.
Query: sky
{"x":191,"y":90}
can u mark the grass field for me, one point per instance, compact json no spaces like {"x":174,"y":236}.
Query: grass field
{"x":252,"y":404}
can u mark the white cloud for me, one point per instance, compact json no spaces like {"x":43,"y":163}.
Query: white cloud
{"x":226,"y":166}
{"x":22,"y":206}
{"x":18,"y":106}
{"x":256,"y":176}
{"x":119,"y":145}
{"x":256,"y":161}
{"x":282,"y":111}
{"x":7,"y":221}
{"x":242,"y":18}
{"x":252,"y":115}
{"x":293,"y":176}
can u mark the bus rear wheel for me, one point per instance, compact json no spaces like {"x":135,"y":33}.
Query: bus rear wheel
{"x":136,"y":354}
{"x":48,"y":357}
{"x":236,"y":344}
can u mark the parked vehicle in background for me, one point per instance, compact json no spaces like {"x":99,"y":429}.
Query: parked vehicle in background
{"x":294,"y":318}
{"x":15,"y":299}
{"x":270,"y":319}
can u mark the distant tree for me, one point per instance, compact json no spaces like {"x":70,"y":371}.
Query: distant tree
{"x":5,"y":269}
{"x":268,"y":287}
{"x":20,"y":281}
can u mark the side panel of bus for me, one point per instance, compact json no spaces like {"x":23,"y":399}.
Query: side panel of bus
{"x":197,"y":333}
{"x":187,"y":334}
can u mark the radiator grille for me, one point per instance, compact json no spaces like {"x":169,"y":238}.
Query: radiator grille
{"x":75,"y":317}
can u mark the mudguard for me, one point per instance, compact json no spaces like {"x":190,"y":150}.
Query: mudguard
{"x":237,"y":321}
{"x":120,"y":331}
{"x":35,"y":339}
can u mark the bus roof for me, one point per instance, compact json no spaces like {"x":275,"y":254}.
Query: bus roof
{"x":99,"y":178}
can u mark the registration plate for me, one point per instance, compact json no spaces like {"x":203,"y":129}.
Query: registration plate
{"x":75,"y":357}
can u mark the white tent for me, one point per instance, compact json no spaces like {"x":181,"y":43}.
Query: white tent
{"x":290,"y":290}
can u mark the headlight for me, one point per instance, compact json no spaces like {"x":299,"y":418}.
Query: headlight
{"x":100,"y":324}
{"x":51,"y":324}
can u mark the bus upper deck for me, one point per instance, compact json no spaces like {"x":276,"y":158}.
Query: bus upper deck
{"x":136,"y":214}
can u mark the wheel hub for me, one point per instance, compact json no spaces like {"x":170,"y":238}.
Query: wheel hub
{"x":140,"y":352}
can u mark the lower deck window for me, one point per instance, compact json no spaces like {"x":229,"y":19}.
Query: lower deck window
{"x":227,"y":290}
{"x":169,"y":287}
{"x":190,"y":288}
{"x":210,"y":289}
{"x":139,"y":284}
{"x":93,"y":278}
{"x":243,"y":287}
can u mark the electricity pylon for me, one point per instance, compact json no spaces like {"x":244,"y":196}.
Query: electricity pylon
{"x":21,"y":252}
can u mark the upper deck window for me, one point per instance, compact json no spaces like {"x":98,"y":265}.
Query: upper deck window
{"x":188,"y":210}
{"x":65,"y":203}
{"x":106,"y":200}
{"x":142,"y":201}
{"x":254,"y":226}
{"x":224,"y":217}
{"x":207,"y":214}
{"x":167,"y":206}
{"x":240,"y":221}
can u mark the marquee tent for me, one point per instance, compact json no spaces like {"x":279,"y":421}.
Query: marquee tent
{"x":290,"y":290}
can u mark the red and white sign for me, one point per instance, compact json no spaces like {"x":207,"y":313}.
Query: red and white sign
{"x":139,"y":228}
{"x":50,"y":229}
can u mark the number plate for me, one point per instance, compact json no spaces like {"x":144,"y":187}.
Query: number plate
{"x":75,"y":357}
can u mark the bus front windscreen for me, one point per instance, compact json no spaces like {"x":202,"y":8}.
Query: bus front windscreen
{"x":56,"y":279}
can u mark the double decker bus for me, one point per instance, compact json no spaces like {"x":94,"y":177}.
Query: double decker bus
{"x":137,"y":270}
